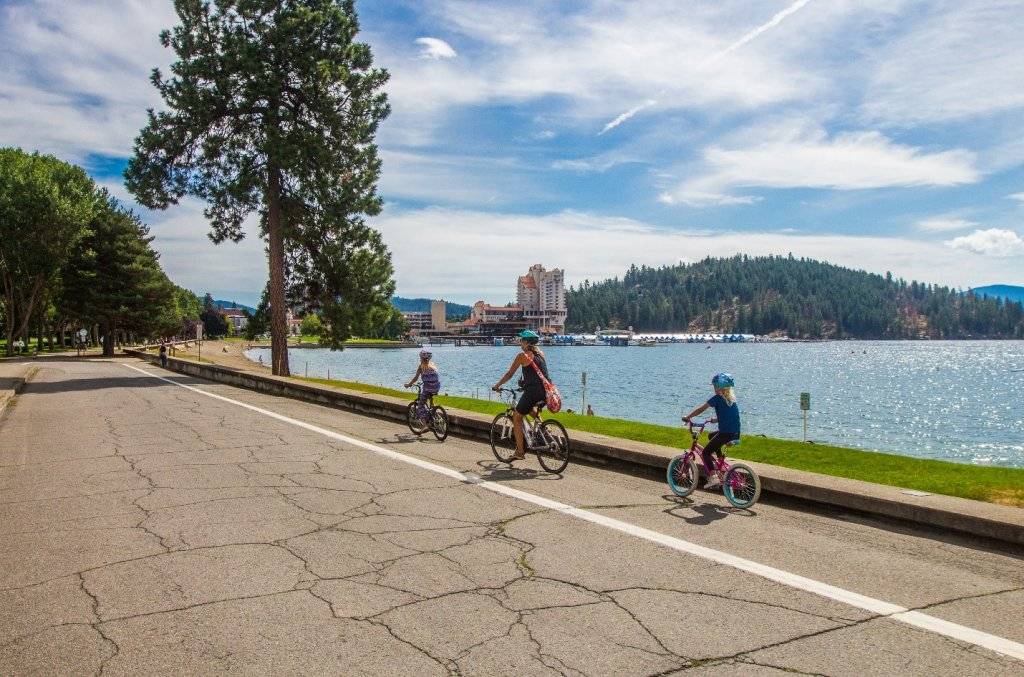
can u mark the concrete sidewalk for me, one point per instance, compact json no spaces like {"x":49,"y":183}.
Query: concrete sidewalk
{"x":987,"y":520}
{"x":13,"y":376}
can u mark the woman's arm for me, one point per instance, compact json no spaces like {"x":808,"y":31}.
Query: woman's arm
{"x":508,"y":374}
{"x":696,"y":412}
{"x":416,"y":376}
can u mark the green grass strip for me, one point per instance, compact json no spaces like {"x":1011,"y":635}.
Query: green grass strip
{"x":983,"y":483}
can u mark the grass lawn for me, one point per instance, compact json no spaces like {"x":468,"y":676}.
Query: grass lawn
{"x":996,"y":485}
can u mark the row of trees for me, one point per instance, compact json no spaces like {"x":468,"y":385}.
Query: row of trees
{"x":799,"y":297}
{"x":71,"y":256}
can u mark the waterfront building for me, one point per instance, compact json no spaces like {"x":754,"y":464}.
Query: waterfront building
{"x":434,"y":321}
{"x":488,"y":320}
{"x":541,"y":295}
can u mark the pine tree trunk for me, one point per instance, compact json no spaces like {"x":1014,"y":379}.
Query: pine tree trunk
{"x":278,"y":310}
{"x":108,"y":340}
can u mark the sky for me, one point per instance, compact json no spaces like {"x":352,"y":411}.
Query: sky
{"x":884,"y":135}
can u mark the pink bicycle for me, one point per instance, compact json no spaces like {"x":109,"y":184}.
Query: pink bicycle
{"x":740,"y":484}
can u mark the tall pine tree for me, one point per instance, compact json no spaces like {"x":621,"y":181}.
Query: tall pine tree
{"x":272,"y":108}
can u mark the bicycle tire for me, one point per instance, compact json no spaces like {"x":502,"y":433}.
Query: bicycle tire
{"x":554,"y":458}
{"x":503,"y":441}
{"x":439,"y":423}
{"x":741,"y":486}
{"x":682,"y":475}
{"x":416,"y":424}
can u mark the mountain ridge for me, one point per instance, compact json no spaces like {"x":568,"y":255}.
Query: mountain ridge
{"x":778,"y":295}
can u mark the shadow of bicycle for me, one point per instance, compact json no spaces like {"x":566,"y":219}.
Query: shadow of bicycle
{"x":705,"y":513}
{"x":502,"y":472}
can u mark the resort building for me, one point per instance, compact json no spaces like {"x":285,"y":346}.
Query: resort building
{"x":541,"y":294}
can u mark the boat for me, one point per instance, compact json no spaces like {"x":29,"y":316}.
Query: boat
{"x":647,"y":343}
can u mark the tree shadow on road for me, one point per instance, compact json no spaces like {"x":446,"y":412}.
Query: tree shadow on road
{"x":706,"y":513}
{"x":97,"y":384}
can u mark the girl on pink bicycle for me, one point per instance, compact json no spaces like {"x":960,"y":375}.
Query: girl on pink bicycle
{"x":727,"y":411}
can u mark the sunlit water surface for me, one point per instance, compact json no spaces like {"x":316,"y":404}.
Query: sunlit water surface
{"x":955,"y":400}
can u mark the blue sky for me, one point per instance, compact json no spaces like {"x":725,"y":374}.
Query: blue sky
{"x":592,"y":135}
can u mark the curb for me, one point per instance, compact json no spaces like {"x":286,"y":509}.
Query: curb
{"x":949,"y":513}
{"x":8,"y":392}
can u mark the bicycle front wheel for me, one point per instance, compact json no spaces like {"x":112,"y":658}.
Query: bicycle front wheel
{"x":554,"y":453}
{"x":503,"y":441}
{"x":412,"y":416}
{"x":682,"y":475}
{"x":741,"y":486}
{"x":439,"y":423}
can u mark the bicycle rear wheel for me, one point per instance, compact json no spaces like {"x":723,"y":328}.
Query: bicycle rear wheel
{"x":741,"y":486}
{"x":554,"y":455}
{"x":439,"y":423}
{"x":682,"y":475}
{"x":412,"y":416}
{"x":503,"y":441}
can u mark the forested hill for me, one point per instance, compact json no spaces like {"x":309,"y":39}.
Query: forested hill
{"x":800,"y":298}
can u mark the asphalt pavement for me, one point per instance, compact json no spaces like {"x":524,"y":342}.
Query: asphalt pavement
{"x":156,"y":523}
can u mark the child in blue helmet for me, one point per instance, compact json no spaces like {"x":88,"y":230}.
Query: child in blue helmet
{"x":427,"y":372}
{"x":727,"y":411}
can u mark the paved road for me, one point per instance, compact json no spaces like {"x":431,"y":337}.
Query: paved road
{"x":146,"y":527}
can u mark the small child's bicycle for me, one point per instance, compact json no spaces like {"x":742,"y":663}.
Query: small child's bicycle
{"x":425,"y":415}
{"x":547,"y":439}
{"x":740,"y":484}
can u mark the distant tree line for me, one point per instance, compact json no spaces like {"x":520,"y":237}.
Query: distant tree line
{"x":72,"y":257}
{"x":801,"y":298}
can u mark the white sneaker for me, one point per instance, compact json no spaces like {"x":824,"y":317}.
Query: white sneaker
{"x":713,"y":483}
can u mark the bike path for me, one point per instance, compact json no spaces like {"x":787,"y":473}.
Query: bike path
{"x":154,"y":528}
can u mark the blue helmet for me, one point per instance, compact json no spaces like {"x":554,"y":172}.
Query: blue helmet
{"x":722,"y":380}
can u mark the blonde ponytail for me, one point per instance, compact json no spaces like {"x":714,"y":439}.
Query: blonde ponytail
{"x":729,"y":395}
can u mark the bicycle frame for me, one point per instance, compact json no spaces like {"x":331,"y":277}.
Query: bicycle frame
{"x":531,"y":422}
{"x":423,"y":405}
{"x":697,"y":449}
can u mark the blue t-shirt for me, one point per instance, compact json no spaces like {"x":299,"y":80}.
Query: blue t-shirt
{"x":728,"y":415}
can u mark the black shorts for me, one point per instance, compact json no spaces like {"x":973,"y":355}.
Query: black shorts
{"x":719,"y":440}
{"x":529,"y":400}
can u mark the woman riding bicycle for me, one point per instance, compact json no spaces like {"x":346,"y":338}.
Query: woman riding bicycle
{"x":533,"y":386}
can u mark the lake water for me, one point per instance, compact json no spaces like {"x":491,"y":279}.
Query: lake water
{"x":954,"y":400}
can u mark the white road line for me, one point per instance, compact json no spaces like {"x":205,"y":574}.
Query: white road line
{"x":870,"y":604}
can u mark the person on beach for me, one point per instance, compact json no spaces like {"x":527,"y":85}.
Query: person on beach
{"x":427,"y":372}
{"x":531,"y":359}
{"x":727,"y":412}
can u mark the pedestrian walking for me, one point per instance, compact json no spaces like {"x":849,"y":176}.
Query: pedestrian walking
{"x":163,"y":355}
{"x":590,"y":410}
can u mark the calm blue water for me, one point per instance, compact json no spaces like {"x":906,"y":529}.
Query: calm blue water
{"x":955,"y":400}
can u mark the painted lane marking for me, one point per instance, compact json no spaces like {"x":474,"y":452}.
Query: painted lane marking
{"x":878,"y":607}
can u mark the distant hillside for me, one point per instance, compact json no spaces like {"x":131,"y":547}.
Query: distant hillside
{"x":800,"y":298}
{"x":232,"y":304}
{"x":1001,"y":291}
{"x":423,"y":306}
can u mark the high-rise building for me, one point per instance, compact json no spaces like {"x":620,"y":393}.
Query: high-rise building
{"x":541,"y":293}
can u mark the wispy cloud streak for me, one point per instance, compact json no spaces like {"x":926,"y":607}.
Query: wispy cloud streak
{"x":778,"y":18}
{"x":627,"y":115}
{"x":766,"y":26}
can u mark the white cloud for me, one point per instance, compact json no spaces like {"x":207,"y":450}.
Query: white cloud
{"x":1019,"y":197}
{"x":944,"y":224}
{"x":435,"y":48}
{"x":961,"y":59}
{"x":778,"y":18}
{"x":69,"y":86}
{"x":491,"y":251}
{"x":802,"y":156}
{"x":991,"y":242}
{"x":455,"y":179}
{"x":545,"y":134}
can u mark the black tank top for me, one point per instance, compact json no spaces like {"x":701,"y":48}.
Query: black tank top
{"x":530,"y":379}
